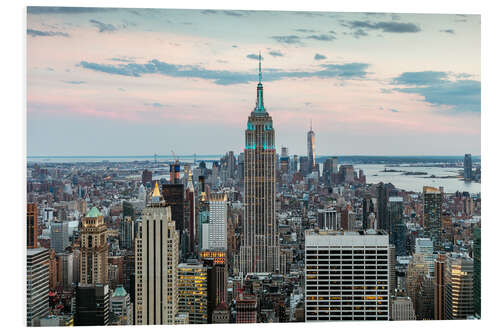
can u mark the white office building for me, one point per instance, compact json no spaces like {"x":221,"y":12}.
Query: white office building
{"x":215,"y":232}
{"x":347,"y":275}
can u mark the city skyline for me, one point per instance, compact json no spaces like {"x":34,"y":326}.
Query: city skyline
{"x":130,"y":76}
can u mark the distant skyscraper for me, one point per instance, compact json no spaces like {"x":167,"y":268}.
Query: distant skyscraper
{"x":37,"y":284}
{"x":59,"y":236}
{"x":147,"y":177}
{"x":334,"y":282}
{"x":156,"y":258}
{"x":32,"y":225}
{"x":311,"y":154}
{"x":424,"y":246}
{"x":330,"y":167}
{"x":94,"y":249}
{"x":191,"y":213}
{"x":303,"y":165}
{"x":468,"y":167}
{"x":382,"y":213}
{"x":433,"y":200}
{"x":128,"y":230}
{"x":175,"y":173}
{"x":260,"y":247}
{"x":173,"y":194}
{"x":216,"y":237}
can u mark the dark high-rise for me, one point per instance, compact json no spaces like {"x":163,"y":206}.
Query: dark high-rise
{"x":382,"y":213}
{"x":260,"y":247}
{"x":468,"y":167}
{"x":32,"y":225}
{"x":433,"y":200}
{"x":147,"y":177}
{"x":92,"y":305}
{"x":173,"y":194}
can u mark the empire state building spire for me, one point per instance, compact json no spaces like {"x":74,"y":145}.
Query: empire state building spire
{"x":259,"y":105}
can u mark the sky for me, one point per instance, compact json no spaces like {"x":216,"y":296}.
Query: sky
{"x":110,"y":81}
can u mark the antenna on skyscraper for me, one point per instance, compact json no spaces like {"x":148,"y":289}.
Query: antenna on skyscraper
{"x":311,"y":124}
{"x":260,"y":71}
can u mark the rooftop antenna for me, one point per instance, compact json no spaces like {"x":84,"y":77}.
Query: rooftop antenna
{"x":260,"y":71}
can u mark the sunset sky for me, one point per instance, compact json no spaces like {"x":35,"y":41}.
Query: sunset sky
{"x":144,"y":81}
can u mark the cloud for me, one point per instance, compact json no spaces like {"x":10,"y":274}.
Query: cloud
{"x":254,"y":56}
{"x":305,"y":30}
{"x":388,"y":26}
{"x":66,"y":10}
{"x":449,"y":31}
{"x":75,"y":82}
{"x":131,"y":59}
{"x":319,"y":57}
{"x":420,"y":78}
{"x":290,"y":39}
{"x":393,"y":110}
{"x":209,"y":11}
{"x":156,"y":105}
{"x":357,"y":33}
{"x":322,"y":37}
{"x":224,"y":77}
{"x":385,"y":91}
{"x":227,"y":12}
{"x":438,"y":90}
{"x":276,"y":53}
{"x":103,"y":27}
{"x":38,"y":33}
{"x":234,"y":46}
{"x":232,"y":13}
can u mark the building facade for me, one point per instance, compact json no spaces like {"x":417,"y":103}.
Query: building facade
{"x":347,"y":275}
{"x":32,"y":225}
{"x":37,"y":284}
{"x":433,"y":201}
{"x":193,"y":291}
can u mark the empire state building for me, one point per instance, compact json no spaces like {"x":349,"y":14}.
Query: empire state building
{"x":260,"y":244}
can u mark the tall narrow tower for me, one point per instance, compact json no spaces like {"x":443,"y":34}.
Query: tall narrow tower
{"x":156,"y":259}
{"x":260,"y":247}
{"x":311,"y":155}
{"x":94,"y":249}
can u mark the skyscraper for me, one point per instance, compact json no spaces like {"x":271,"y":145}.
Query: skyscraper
{"x":433,"y":200}
{"x":468,"y":167}
{"x":477,"y":271}
{"x":260,"y":247}
{"x":156,"y":252}
{"x":173,"y":194}
{"x":94,"y":249}
{"x":311,"y":154}
{"x":459,"y":294}
{"x":32,"y":225}
{"x":37,"y":284}
{"x":59,"y":236}
{"x":216,"y":237}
